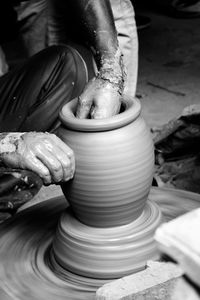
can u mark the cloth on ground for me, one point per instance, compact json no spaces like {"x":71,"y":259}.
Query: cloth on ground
{"x":177,"y":151}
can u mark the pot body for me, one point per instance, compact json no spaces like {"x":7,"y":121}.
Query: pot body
{"x":114,"y":170}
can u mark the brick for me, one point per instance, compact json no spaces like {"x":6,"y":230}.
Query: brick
{"x":157,"y":281}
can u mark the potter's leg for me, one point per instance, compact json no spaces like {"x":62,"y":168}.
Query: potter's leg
{"x":32,"y":94}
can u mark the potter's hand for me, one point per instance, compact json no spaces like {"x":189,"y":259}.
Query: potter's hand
{"x":101,"y":96}
{"x":43,"y":153}
{"x":95,"y":22}
{"x":100,"y":99}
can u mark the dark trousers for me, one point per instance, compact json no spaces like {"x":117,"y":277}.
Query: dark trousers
{"x":32,"y":94}
{"x":31,"y":97}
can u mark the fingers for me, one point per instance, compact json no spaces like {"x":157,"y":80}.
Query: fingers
{"x":83,"y":108}
{"x":38,"y":167}
{"x":99,"y":113}
{"x":30,"y":162}
{"x":60,"y":165}
{"x":66,"y":156}
{"x":67,"y":165}
{"x":85,"y":100}
{"x":45,"y":154}
{"x":52,"y":163}
{"x":98,"y":108}
{"x":99,"y":100}
{"x":62,"y":145}
{"x":105,"y":107}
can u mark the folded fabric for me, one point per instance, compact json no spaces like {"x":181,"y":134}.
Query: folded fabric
{"x":177,"y":151}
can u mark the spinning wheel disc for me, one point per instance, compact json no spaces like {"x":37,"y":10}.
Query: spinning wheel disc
{"x":24,"y":270}
{"x":106,"y":253}
{"x":26,"y":239}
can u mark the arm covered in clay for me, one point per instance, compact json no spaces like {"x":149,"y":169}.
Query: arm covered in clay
{"x":43,"y":153}
{"x":101,"y":96}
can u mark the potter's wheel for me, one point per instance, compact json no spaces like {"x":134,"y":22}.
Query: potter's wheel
{"x":24,"y":269}
{"x":106,"y":253}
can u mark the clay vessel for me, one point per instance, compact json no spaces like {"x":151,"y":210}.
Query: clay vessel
{"x":114,"y":165}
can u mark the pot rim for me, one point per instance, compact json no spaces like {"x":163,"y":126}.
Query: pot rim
{"x":132,"y":109}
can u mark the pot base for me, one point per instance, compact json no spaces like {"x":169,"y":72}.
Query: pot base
{"x":106,"y":253}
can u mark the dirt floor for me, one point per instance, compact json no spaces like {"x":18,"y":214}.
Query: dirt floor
{"x":169,"y":66}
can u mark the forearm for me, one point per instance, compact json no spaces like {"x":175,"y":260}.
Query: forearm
{"x":97,"y":21}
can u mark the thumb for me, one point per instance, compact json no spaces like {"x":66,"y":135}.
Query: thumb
{"x":11,"y":159}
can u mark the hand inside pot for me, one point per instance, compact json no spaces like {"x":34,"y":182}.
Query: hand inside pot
{"x":100,"y":99}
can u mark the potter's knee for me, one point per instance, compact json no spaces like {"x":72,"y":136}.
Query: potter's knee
{"x":57,"y":53}
{"x":58,"y":49}
{"x":67,"y":56}
{"x":62,"y":51}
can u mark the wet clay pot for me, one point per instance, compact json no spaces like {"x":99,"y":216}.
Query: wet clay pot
{"x":114,"y":165}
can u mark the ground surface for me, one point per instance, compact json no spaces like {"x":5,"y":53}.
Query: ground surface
{"x":169,"y":67}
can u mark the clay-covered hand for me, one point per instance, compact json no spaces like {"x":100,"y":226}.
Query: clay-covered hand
{"x":100,"y":99}
{"x":95,"y":22}
{"x":43,"y":153}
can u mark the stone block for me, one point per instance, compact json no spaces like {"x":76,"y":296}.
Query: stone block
{"x":157,"y":281}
